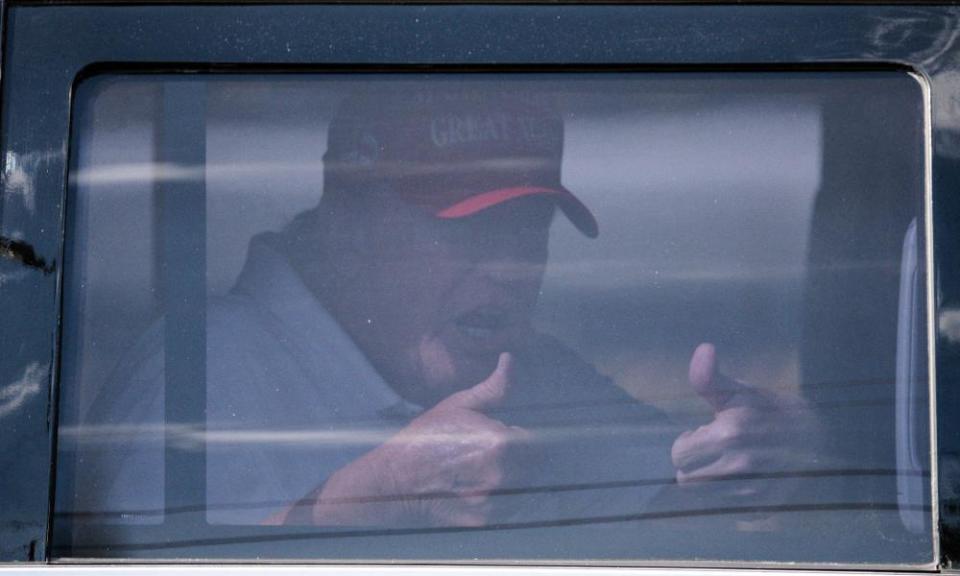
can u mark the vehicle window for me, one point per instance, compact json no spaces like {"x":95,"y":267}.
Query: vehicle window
{"x":631,"y":317}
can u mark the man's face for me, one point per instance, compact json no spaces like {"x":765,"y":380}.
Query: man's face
{"x":436,"y":301}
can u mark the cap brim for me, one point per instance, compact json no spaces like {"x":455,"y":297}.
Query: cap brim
{"x":572,"y":207}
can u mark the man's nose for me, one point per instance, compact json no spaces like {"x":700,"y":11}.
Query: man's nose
{"x":511,"y":271}
{"x":511,"y":262}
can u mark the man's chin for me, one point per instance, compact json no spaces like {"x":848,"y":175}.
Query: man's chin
{"x":445,"y":372}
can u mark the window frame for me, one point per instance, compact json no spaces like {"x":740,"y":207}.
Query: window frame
{"x":49,"y":48}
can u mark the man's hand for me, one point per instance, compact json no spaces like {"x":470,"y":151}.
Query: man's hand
{"x":757,"y":435}
{"x":440,"y":469}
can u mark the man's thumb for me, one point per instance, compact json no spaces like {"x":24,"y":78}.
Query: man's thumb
{"x":491,"y":391}
{"x":712,"y":386}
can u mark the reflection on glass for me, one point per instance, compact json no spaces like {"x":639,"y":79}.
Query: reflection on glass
{"x":452,"y":317}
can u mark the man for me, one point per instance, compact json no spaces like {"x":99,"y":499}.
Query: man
{"x":376,"y":364}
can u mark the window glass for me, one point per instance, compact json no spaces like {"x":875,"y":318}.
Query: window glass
{"x":576,"y":317}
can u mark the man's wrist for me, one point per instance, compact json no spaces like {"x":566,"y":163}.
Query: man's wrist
{"x":358,"y":494}
{"x":301,"y":513}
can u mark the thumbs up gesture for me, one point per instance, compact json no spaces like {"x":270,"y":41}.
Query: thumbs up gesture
{"x":755,"y":439}
{"x":439,"y":470}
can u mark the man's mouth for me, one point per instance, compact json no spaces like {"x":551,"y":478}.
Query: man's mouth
{"x":483,"y":323}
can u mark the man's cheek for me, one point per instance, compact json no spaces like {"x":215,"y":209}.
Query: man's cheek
{"x":437,"y":365}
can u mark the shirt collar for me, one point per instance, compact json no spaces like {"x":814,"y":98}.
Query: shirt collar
{"x":270,"y":280}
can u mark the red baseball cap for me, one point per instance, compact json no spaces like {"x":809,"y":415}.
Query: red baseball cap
{"x":452,"y":151}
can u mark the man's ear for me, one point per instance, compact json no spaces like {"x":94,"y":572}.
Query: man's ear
{"x":339,"y":224}
{"x":353,"y":237}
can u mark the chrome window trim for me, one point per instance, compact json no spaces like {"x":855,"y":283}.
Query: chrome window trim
{"x":931,"y":309}
{"x":417,"y":570}
{"x":138,"y":567}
